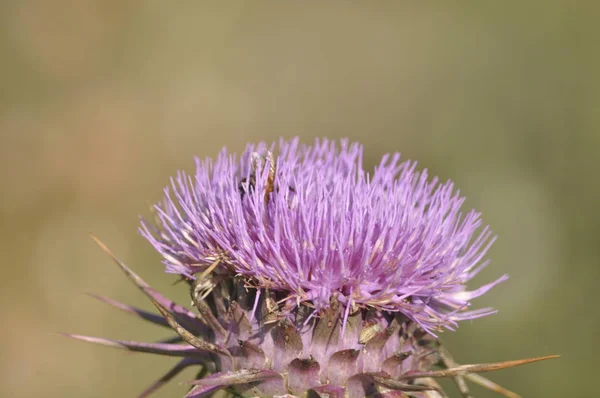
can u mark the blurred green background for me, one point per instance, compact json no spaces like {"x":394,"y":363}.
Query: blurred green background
{"x":101,"y":101}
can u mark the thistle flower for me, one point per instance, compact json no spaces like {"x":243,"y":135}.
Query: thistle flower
{"x":312,"y":277}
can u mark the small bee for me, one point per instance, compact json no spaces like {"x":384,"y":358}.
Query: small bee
{"x":247,"y":185}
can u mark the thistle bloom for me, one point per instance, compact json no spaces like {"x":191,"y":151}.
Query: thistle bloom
{"x":395,"y":241}
{"x":312,"y":276}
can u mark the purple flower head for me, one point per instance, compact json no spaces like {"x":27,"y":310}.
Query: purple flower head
{"x":311,"y":222}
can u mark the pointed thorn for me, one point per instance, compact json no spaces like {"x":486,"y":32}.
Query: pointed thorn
{"x":181,"y":365}
{"x":389,"y":382}
{"x":449,"y":362}
{"x":490,"y":385}
{"x":171,"y":340}
{"x":130,"y":274}
{"x":244,"y":376}
{"x":189,"y":337}
{"x":145,"y":315}
{"x":202,"y":391}
{"x":185,"y":316}
{"x":476,"y":368}
{"x":173,"y":350}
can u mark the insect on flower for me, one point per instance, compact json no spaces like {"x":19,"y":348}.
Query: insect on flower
{"x":247,"y":185}
{"x":339,"y":290}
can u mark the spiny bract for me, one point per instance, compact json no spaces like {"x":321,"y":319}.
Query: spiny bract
{"x":312,"y":277}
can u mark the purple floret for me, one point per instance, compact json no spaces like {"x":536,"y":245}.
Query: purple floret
{"x":311,"y":222}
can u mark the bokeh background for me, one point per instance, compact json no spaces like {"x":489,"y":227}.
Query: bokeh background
{"x":102,"y":101}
